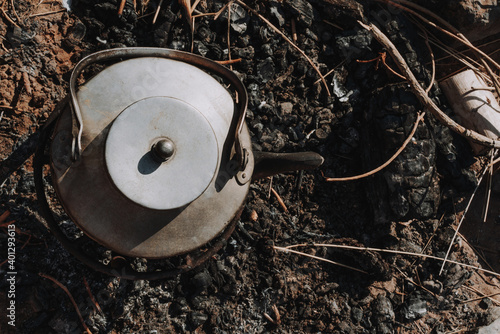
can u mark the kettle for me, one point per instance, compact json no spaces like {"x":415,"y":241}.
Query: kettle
{"x":151,"y":158}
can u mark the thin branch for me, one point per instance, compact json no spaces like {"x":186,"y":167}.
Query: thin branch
{"x":287,"y":250}
{"x":420,"y":117}
{"x":330,"y":72}
{"x":489,"y":184}
{"x":228,"y":62}
{"x":455,"y":33}
{"x":48,"y":13}
{"x":289,"y":41}
{"x":482,"y":296}
{"x":280,"y":201}
{"x":97,"y":307}
{"x":229,"y":36}
{"x":70,"y":297}
{"x":158,"y":12}
{"x":8,"y":17}
{"x":433,"y":77}
{"x":14,"y":10}
{"x":461,"y":220}
{"x":420,"y":92}
{"x":122,"y":6}
{"x":390,"y":251}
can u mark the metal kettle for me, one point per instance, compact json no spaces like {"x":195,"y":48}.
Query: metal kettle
{"x":151,"y":158}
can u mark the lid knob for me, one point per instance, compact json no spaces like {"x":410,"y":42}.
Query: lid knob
{"x":163,"y":149}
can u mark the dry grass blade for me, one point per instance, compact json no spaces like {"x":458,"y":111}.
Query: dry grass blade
{"x":59,"y":284}
{"x":420,"y":92}
{"x":461,"y":220}
{"x":287,"y":250}
{"x":420,"y":117}
{"x":389,"y":251}
{"x":288,"y":41}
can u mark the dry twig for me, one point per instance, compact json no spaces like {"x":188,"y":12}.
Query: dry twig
{"x":454,"y":33}
{"x":27,"y":84}
{"x":7,"y":17}
{"x":96,"y":305}
{"x":14,"y":10}
{"x":280,"y":201}
{"x":158,"y":12}
{"x":122,"y":6}
{"x":390,"y":251}
{"x":420,"y":92}
{"x":228,"y":62}
{"x":287,"y":249}
{"x":48,"y":13}
{"x":461,"y":220}
{"x":381,"y":59}
{"x":59,"y":284}
{"x":420,"y":117}
{"x":482,"y":296}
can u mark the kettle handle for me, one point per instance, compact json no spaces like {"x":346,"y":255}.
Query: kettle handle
{"x":138,"y":52}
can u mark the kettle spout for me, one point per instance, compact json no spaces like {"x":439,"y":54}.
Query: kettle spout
{"x":267,"y":163}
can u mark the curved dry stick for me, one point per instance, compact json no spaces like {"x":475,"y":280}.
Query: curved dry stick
{"x":420,"y":117}
{"x":59,"y":284}
{"x":289,"y":41}
{"x":433,"y":78}
{"x":420,"y":92}
{"x":456,"y":34}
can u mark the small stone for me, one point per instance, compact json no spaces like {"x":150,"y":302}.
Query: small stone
{"x":246,"y":52}
{"x":239,"y":18}
{"x":277,"y":12}
{"x":254,"y":216}
{"x":383,"y":309}
{"x":415,"y":308}
{"x":286,"y":108}
{"x":357,"y":315}
{"x":196,"y":319}
{"x":265,"y":69}
{"x":321,"y":134}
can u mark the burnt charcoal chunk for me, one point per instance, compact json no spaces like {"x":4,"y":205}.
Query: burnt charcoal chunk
{"x":302,"y":10}
{"x":19,"y":37}
{"x":265,"y":70}
{"x":196,"y":319}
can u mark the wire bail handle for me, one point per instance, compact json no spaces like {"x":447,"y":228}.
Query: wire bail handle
{"x":241,"y":153}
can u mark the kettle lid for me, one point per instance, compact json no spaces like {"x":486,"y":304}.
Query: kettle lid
{"x":161,"y":153}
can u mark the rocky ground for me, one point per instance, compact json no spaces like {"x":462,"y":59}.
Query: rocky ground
{"x":413,"y":205}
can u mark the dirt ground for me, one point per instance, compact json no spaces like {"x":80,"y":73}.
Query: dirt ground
{"x":413,"y":205}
